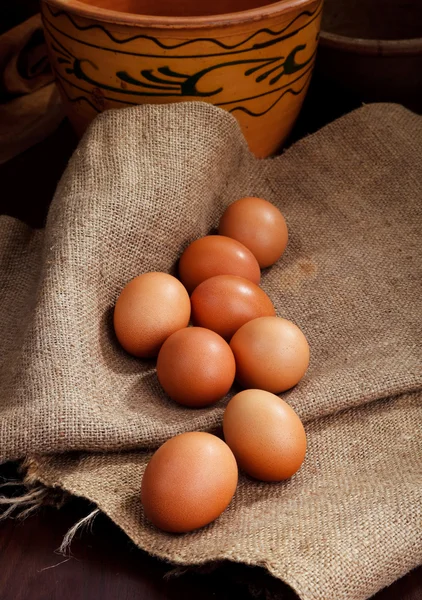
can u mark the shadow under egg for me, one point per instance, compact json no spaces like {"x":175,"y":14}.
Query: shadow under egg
{"x":115,"y":357}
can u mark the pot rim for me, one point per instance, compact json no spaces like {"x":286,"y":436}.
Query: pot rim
{"x":113,"y":16}
{"x":365,"y":46}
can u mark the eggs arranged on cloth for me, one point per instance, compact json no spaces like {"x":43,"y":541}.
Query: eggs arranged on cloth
{"x":259,"y":226}
{"x":216,"y":255}
{"x":226,"y":302}
{"x":188,"y":482}
{"x":196,"y":367}
{"x":265,"y":434}
{"x":271,"y":354}
{"x":191,"y":478}
{"x":149,"y":309}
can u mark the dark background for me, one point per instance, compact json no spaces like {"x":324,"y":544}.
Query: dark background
{"x":104,"y":564}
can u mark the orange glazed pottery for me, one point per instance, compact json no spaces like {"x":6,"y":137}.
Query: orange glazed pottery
{"x":253,"y":58}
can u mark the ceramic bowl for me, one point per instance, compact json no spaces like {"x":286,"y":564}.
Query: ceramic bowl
{"x":373,"y":48}
{"x":253,"y":58}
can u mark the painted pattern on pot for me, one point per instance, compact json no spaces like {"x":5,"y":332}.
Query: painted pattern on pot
{"x":258,"y":71}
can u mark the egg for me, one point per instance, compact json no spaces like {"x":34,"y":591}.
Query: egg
{"x":271,"y":354}
{"x":226,"y":302}
{"x":265,"y":434}
{"x":196,"y":367}
{"x":150,"y":308}
{"x":216,"y":255}
{"x":259,"y":226}
{"x":189,"y":482}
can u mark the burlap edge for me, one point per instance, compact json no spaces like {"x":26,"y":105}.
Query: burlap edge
{"x":59,"y":492}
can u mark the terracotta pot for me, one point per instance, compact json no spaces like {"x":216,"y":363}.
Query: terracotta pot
{"x":373,"y":48}
{"x":253,"y":58}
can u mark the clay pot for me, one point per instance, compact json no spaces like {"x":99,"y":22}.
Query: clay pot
{"x":373,"y":49}
{"x":253,"y":58}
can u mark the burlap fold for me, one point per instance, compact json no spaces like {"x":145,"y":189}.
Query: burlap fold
{"x":145,"y":182}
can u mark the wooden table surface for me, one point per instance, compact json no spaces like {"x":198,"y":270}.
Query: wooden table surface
{"x":104,"y":564}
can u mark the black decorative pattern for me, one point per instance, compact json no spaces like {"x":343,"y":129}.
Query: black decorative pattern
{"x":167,"y":82}
{"x":275,"y":34}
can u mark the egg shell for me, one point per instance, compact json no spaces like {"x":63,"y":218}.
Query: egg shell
{"x":150,"y":308}
{"x":257,"y":224}
{"x":265,"y":434}
{"x":226,"y":302}
{"x":271,"y":354}
{"x":189,"y":482}
{"x":196,"y":367}
{"x":216,"y":255}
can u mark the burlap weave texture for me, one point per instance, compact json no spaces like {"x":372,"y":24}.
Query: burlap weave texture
{"x":145,"y":182}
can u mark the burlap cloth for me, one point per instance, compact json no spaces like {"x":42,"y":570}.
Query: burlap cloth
{"x":145,"y":182}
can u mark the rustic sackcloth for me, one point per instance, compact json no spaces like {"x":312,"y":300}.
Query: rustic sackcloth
{"x":30,"y":104}
{"x":145,"y":182}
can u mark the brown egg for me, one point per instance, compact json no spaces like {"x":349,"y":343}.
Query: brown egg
{"x":216,"y":255}
{"x":149,"y":309}
{"x":189,"y":482}
{"x":271,"y":354}
{"x":196,"y":367}
{"x":265,"y":434}
{"x":226,"y":302}
{"x":257,"y":224}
